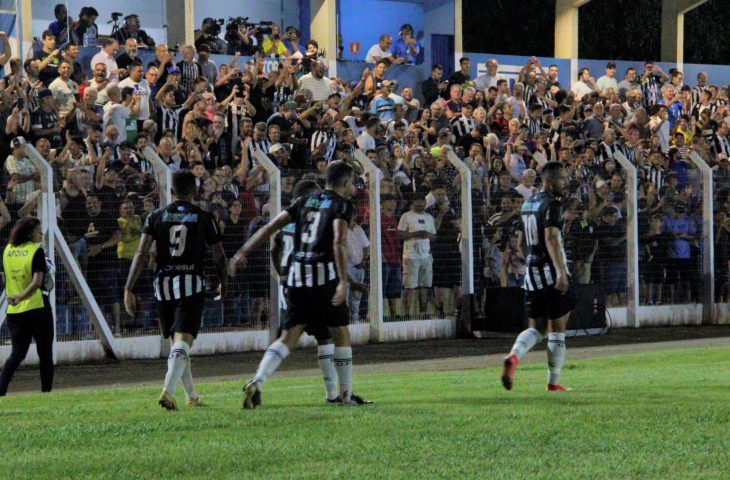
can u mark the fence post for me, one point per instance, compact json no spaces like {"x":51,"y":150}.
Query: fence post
{"x":375,"y":297}
{"x":272,"y":171}
{"x":708,"y":240}
{"x":463,"y":326}
{"x":632,"y":241}
{"x":163,"y":175}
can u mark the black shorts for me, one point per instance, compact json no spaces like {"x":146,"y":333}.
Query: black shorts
{"x":318,"y":331}
{"x":184,"y":315}
{"x":549,"y":303}
{"x":312,"y":306}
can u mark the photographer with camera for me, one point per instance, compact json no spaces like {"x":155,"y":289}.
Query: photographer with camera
{"x":273,"y":46}
{"x":131,"y":29}
{"x":208,"y":35}
{"x":240,"y":36}
{"x":292,"y":40}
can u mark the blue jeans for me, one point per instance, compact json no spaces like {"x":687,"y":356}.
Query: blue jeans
{"x":354,"y":297}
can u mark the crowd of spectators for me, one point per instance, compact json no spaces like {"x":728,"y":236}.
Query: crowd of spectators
{"x":96,"y":123}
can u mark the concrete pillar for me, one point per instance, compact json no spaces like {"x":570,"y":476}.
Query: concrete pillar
{"x":566,"y":27}
{"x":180,"y":21}
{"x":458,"y":33}
{"x":324,"y":30}
{"x":673,"y":28}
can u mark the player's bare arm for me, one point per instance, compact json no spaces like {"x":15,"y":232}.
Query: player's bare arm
{"x":262,"y":234}
{"x":219,"y":259}
{"x":140,"y":258}
{"x":552,"y":240}
{"x":340,"y":250}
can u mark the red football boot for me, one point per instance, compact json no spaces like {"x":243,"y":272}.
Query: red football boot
{"x":557,"y":388}
{"x":509,"y":366}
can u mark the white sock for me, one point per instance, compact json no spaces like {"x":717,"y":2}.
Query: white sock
{"x":525,"y":341}
{"x":343,"y":365}
{"x":325,"y":353}
{"x":187,"y":381}
{"x":175,"y":365}
{"x":275,"y":354}
{"x":556,"y":356}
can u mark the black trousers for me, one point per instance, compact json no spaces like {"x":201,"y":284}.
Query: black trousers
{"x":35,"y":325}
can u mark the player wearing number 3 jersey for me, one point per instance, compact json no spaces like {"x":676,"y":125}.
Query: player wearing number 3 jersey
{"x":180,"y":231}
{"x":549,"y":296}
{"x":317,"y":280}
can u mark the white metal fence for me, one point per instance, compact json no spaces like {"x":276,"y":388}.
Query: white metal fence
{"x":99,"y":341}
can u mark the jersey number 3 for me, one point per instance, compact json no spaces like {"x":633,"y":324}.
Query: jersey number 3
{"x":309,"y":234}
{"x":531,"y":234}
{"x":178,"y":235}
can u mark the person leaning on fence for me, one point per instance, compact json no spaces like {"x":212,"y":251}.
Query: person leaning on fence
{"x":29,"y":314}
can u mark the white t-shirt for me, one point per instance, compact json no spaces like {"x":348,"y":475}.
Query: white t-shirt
{"x":116,"y":114}
{"x":581,"y":89}
{"x":417,"y":222}
{"x":366,"y":141}
{"x":606,"y":82}
{"x":321,"y":88}
{"x":526,"y":192}
{"x":356,"y":242}
{"x":111,"y":64}
{"x":376,"y":51}
{"x":144,"y":91}
{"x":64,"y":95}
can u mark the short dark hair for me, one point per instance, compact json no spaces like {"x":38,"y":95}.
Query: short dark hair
{"x":108,"y":41}
{"x":436,"y":66}
{"x":22,"y":230}
{"x":47,"y":33}
{"x":337,"y":172}
{"x":463,"y":59}
{"x":304,"y":187}
{"x":183,"y":183}
{"x":550,"y":169}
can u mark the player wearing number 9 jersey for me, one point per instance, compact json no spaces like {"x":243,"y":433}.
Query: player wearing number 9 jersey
{"x":549,"y":296}
{"x":317,"y":280}
{"x":180,"y":231}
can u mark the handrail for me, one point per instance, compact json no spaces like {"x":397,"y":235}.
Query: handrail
{"x":632,"y":241}
{"x":708,"y":239}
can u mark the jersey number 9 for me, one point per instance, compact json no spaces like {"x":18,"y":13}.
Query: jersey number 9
{"x":178,"y":235}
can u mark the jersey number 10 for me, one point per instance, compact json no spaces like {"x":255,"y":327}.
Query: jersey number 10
{"x":531,"y":234}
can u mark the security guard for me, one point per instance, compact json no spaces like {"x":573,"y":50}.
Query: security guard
{"x":29,"y":314}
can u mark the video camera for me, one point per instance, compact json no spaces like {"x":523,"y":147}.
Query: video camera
{"x":263,"y":27}
{"x":213,"y":26}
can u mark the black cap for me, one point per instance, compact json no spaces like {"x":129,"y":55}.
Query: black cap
{"x":611,"y":64}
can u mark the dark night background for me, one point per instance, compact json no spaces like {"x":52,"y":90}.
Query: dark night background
{"x":613,"y":29}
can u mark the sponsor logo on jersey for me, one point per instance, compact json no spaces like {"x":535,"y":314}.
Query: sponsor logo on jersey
{"x":179,"y":217}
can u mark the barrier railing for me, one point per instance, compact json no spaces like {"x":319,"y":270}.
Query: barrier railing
{"x":632,"y":241}
{"x":708,"y":239}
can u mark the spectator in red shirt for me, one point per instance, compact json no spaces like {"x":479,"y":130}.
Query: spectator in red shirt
{"x":391,"y":247}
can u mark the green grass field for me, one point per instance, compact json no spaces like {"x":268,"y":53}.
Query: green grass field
{"x":660,"y":415}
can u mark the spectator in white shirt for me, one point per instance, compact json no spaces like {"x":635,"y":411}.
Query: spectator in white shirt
{"x":366,"y":140}
{"x":316,"y":83}
{"x":417,"y":228}
{"x":138,"y":83}
{"x":64,"y":89}
{"x":585,"y":84}
{"x":609,"y":79}
{"x":106,"y":56}
{"x":381,"y":51}
{"x":123,"y":103}
{"x":490,"y":78}
{"x":357,"y":254}
{"x":527,"y":188}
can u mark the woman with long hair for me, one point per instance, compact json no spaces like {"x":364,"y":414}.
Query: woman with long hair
{"x":29,"y":315}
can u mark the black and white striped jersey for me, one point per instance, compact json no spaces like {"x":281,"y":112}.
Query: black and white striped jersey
{"x":320,"y":137}
{"x":312,"y":262}
{"x":538,"y":213}
{"x":181,"y":230}
{"x":285,"y":241}
{"x":721,"y":145}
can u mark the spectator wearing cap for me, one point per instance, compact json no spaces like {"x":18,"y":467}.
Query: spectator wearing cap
{"x":21,"y":172}
{"x":106,"y":56}
{"x":407,"y":46}
{"x":490,"y":78}
{"x":381,"y":51}
{"x":463,"y":75}
{"x":130,"y":53}
{"x":64,"y":90}
{"x":293,"y":40}
{"x":131,"y":29}
{"x":609,"y":79}
{"x":48,"y":58}
{"x":316,"y":83}
{"x":44,"y":121}
{"x":383,"y":106}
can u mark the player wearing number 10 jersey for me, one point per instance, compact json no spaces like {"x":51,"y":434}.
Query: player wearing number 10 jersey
{"x":549,"y":296}
{"x":317,"y":280}
{"x":180,"y":230}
